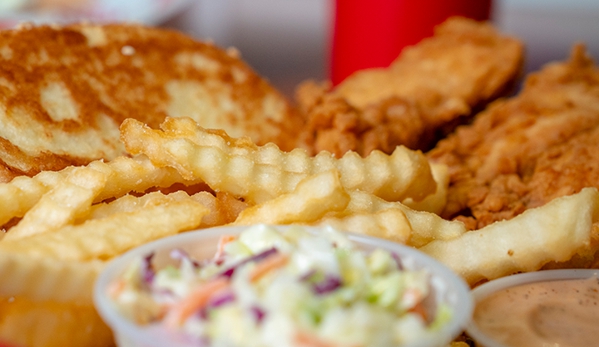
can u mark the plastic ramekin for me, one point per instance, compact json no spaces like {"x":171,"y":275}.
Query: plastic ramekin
{"x":448,"y":287}
{"x":485,"y":290}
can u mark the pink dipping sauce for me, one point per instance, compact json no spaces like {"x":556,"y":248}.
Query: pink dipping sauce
{"x":551,"y":313}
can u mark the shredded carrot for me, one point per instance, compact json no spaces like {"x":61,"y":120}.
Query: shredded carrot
{"x":265,"y":266}
{"x":303,"y":338}
{"x":197,"y":299}
{"x":420,"y":310}
{"x":221,"y":244}
{"x":164,"y":308}
{"x":115,"y":288}
{"x":415,"y":295}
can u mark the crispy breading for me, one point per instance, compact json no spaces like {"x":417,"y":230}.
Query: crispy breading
{"x":525,"y":151}
{"x":418,"y":97}
{"x":64,"y":91}
{"x":336,"y":126}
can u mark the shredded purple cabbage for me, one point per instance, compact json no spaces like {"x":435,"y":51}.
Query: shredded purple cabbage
{"x":179,"y":254}
{"x":327,"y":285}
{"x":221,"y":299}
{"x":203,"y":313}
{"x":255,"y":258}
{"x":258,"y":313}
{"x":308,"y":275}
{"x":218,"y":300}
{"x":398,"y":261}
{"x":147,"y":270}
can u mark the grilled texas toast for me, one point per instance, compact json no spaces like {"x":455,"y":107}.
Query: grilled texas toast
{"x":64,"y":91}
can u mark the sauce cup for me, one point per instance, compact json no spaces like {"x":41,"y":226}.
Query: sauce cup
{"x":447,"y":287}
{"x":540,"y":311}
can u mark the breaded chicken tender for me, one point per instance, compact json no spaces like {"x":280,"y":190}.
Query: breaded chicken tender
{"x":418,"y":98}
{"x":525,"y":151}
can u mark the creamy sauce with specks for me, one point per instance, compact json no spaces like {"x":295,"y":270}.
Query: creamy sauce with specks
{"x":561,"y":313}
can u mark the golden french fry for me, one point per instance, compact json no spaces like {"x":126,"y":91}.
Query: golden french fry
{"x":69,"y":199}
{"x":136,"y":174}
{"x":47,"y":279}
{"x":553,"y":232}
{"x":391,"y":224}
{"x":224,"y":208}
{"x":111,"y":236}
{"x":434,"y":203}
{"x":30,"y":323}
{"x":124,"y":175}
{"x":131,"y":203}
{"x":127,"y":203}
{"x":260,"y":173}
{"x":426,"y":226}
{"x":311,"y":200}
{"x":23,"y":192}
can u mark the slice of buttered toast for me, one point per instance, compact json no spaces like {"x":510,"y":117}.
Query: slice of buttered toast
{"x":64,"y":91}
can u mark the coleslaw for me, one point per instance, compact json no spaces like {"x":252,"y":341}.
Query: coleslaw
{"x":265,"y":287}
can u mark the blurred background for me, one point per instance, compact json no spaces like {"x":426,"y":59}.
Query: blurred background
{"x":288,"y":41}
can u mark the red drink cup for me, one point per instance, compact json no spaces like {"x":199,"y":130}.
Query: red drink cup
{"x":372,"y":33}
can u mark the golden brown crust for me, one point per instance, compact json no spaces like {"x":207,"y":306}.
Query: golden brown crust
{"x":465,"y":65}
{"x":65,"y":90}
{"x":525,"y":151}
{"x":336,"y":126}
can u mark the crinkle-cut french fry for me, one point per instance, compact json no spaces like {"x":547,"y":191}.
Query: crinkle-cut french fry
{"x":391,"y":224}
{"x":126,"y":203}
{"x":43,"y":278}
{"x":125,"y":175}
{"x":458,"y":344}
{"x":30,"y":323}
{"x":107,"y":237}
{"x":260,"y":173}
{"x":311,"y":200}
{"x":553,"y":232}
{"x":434,"y":203}
{"x":131,"y":203}
{"x":19,"y":195}
{"x":136,"y":174}
{"x":69,"y":199}
{"x":426,"y":226}
{"x":224,"y":208}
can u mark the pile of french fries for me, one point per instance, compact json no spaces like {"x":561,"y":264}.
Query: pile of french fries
{"x":62,"y":227}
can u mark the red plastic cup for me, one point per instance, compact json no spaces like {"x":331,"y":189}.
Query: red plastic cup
{"x":372,"y":33}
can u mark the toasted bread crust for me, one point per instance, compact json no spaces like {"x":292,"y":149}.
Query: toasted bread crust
{"x":65,"y":90}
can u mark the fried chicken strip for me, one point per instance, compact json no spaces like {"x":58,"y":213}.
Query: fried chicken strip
{"x":524,"y":152}
{"x":421,"y":95}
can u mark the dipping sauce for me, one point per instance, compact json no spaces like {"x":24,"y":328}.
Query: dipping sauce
{"x":552,"y":313}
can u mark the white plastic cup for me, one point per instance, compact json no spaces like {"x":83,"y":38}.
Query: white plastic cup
{"x":202,"y":244}
{"x":485,"y":290}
